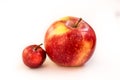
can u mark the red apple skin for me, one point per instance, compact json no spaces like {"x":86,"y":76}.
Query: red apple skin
{"x":69,"y":42}
{"x":33,"y":56}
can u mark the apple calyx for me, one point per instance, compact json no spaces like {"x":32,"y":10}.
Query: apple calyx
{"x":76,"y":24}
{"x":37,"y":46}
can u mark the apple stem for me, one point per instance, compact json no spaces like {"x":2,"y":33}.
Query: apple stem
{"x":76,"y":24}
{"x":38,"y":46}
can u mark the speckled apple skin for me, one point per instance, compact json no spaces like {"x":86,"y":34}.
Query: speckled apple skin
{"x":67,"y":45}
{"x":33,"y":58}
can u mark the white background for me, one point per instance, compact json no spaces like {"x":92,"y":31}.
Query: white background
{"x":24,"y":22}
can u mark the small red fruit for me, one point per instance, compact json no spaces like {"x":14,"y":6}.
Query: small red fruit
{"x":33,"y":56}
{"x":70,"y":41}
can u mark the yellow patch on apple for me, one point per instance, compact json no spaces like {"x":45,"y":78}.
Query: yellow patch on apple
{"x":85,"y":50}
{"x":58,"y":30}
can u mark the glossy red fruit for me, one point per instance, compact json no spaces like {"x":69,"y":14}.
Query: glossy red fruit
{"x":33,"y":56}
{"x":70,"y":41}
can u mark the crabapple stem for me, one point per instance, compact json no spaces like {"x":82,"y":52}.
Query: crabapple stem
{"x":76,"y":24}
{"x":38,"y":46}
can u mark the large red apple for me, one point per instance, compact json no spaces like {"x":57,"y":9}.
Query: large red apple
{"x":70,"y":41}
